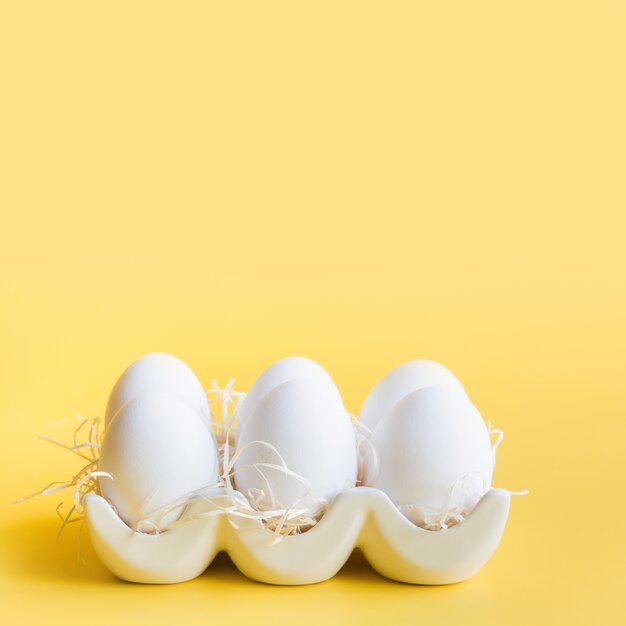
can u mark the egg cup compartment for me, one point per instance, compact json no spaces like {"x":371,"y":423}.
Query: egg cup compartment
{"x":360,"y":517}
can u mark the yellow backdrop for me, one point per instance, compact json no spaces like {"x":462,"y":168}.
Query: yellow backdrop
{"x":363,"y":183}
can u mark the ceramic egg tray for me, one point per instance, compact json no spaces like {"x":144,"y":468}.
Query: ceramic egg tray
{"x":360,"y":517}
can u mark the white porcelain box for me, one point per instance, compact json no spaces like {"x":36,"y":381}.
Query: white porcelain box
{"x":360,"y":517}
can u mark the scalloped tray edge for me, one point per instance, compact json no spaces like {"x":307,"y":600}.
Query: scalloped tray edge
{"x":360,"y":517}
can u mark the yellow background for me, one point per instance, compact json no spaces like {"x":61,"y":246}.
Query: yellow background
{"x":363,"y":183}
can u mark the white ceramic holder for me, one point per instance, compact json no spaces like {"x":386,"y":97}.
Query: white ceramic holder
{"x":360,"y":517}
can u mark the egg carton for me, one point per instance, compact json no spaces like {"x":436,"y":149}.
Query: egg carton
{"x":360,"y":517}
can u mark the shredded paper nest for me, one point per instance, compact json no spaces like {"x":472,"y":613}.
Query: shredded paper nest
{"x":280,"y":520}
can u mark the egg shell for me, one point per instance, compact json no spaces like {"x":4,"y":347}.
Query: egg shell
{"x":430,"y":439}
{"x":400,"y":382}
{"x":308,"y":425}
{"x":286,"y":369}
{"x":157,"y":450}
{"x":158,"y":372}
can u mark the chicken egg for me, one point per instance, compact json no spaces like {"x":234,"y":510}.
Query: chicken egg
{"x":307,"y":424}
{"x":401,"y":381}
{"x":157,"y":450}
{"x":431,"y":454}
{"x":158,"y":372}
{"x":286,"y":369}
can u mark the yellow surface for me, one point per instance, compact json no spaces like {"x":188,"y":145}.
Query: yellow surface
{"x":363,"y":183}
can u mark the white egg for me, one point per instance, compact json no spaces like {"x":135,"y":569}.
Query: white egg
{"x":401,"y":381}
{"x":158,"y":372}
{"x":280,"y":372}
{"x":431,"y":454}
{"x":157,"y":450}
{"x":308,"y":425}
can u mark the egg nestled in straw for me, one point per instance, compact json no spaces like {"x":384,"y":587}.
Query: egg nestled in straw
{"x":280,"y":372}
{"x":297,"y":450}
{"x":401,"y":381}
{"x":163,"y":373}
{"x":158,"y":452}
{"x":431,"y":454}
